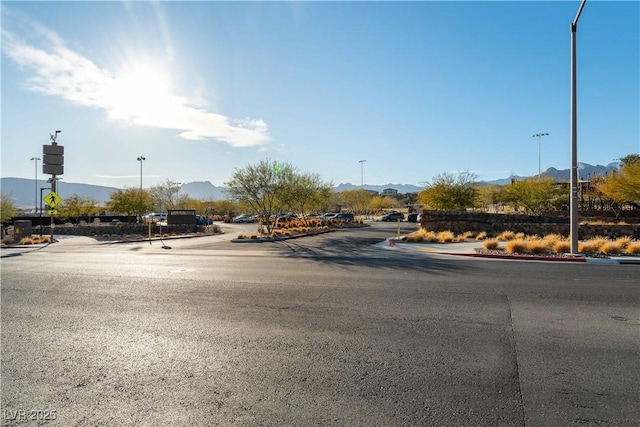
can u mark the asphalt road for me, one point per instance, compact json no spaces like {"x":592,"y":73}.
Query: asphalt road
{"x":325,"y":330}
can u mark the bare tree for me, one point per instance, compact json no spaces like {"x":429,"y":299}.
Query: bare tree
{"x":263,"y":186}
{"x":167,"y":195}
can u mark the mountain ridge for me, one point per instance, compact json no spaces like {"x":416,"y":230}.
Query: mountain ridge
{"x":23,"y":191}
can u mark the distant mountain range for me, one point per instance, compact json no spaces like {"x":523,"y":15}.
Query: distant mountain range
{"x":585,"y":171}
{"x":400,"y":188}
{"x":23,"y":191}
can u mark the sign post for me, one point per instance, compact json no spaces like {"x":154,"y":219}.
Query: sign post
{"x":41,"y":200}
{"x":52,"y":164}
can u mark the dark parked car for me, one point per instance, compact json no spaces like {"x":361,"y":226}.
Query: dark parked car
{"x":414,"y":217}
{"x":329,"y":215}
{"x":203,"y":220}
{"x":344,"y":217}
{"x":393,"y":216}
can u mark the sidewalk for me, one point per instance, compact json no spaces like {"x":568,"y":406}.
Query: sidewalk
{"x":468,"y":249}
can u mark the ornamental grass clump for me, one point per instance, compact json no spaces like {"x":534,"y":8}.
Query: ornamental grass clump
{"x":481,"y":236}
{"x":490,"y":244}
{"x":611,"y":248}
{"x":538,"y":246}
{"x":464,"y":236}
{"x":552,"y":239}
{"x":516,"y":247}
{"x":633,"y":248}
{"x":431,"y":237}
{"x":446,"y":237}
{"x":422,"y":235}
{"x":505,"y":236}
{"x":592,"y":246}
{"x":561,"y":247}
{"x":623,"y":242}
{"x":416,"y":237}
{"x":35,"y":240}
{"x":26,"y":241}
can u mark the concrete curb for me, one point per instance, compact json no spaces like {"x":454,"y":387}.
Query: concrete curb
{"x":470,"y":252}
{"x":279,"y":239}
{"x":521,"y":257}
{"x":153,"y":239}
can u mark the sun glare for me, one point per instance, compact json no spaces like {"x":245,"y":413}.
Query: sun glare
{"x":142,"y":93}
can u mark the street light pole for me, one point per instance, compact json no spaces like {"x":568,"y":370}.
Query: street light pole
{"x":539,"y":135}
{"x":574,"y":136}
{"x":361,"y":173}
{"x":35,"y":200}
{"x":141,"y":159}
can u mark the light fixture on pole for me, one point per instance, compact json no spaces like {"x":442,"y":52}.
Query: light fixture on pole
{"x":573,"y":217}
{"x":178,"y":186}
{"x":361,"y":173}
{"x":35,"y":200}
{"x":539,"y":135}
{"x":141,"y":159}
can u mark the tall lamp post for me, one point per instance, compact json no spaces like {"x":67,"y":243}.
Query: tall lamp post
{"x":141,"y":159}
{"x":35,"y":200}
{"x":361,"y":173}
{"x":574,"y":137}
{"x":539,"y":135}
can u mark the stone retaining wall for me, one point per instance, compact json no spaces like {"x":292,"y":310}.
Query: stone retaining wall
{"x":121,"y":229}
{"x":494,"y":224}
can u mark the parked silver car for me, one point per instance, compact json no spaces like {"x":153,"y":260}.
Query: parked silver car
{"x":243,"y":219}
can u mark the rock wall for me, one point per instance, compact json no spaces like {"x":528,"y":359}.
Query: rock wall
{"x":494,"y":224}
{"x":121,"y":229}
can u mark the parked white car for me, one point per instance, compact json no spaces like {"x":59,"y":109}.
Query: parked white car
{"x":155,"y":217}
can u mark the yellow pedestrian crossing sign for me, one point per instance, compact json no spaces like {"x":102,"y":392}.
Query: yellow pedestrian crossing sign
{"x":52,"y":199}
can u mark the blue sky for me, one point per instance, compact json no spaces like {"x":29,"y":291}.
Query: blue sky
{"x":413,"y":88}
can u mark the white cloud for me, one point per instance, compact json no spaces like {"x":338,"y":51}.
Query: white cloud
{"x":58,"y":71}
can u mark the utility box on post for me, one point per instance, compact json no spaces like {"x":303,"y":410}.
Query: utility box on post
{"x":53,"y":159}
{"x":21,"y":228}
